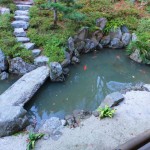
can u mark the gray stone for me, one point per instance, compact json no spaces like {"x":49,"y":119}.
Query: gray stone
{"x":83,"y":33}
{"x":116,"y":43}
{"x":71,"y":44}
{"x":24,"y":2}
{"x":105,"y":40}
{"x":29,"y":46}
{"x":51,"y":126}
{"x":65,"y":63}
{"x":20,"y":13}
{"x":112,"y":99}
{"x":115,"y":33}
{"x":70,"y":120}
{"x":134,"y":37}
{"x":98,"y":35}
{"x":3,"y":62}
{"x":12,"y":119}
{"x":75,"y":60}
{"x":22,"y":18}
{"x":66,"y":71}
{"x":4,"y":76}
{"x":147,"y":86}
{"x":56,"y":72}
{"x":20,"y":24}
{"x":95,"y":113}
{"x":25,"y":87}
{"x":18,"y":66}
{"x":136,"y":56}
{"x":90,"y":45}
{"x":19,"y":32}
{"x":126,"y":37}
{"x":4,"y":10}
{"x":36,"y":52}
{"x":22,"y":39}
{"x":79,"y":46}
{"x":124,"y":29}
{"x":41,"y":61}
{"x":63,"y":122}
{"x":101,"y":23}
{"x":23,"y":7}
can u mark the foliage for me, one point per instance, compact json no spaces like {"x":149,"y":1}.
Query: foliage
{"x":106,"y":112}
{"x":33,"y":137}
{"x":144,"y":25}
{"x":8,"y":43}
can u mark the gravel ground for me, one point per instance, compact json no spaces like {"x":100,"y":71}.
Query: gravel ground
{"x":132,"y":118}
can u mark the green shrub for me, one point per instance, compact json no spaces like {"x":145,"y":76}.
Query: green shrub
{"x":144,"y":25}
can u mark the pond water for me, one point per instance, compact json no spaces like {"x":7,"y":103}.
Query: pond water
{"x":98,"y":74}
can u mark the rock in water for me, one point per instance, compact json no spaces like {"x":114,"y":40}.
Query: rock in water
{"x":112,"y":99}
{"x":115,"y":33}
{"x":25,"y":87}
{"x":12,"y":119}
{"x":3,"y":62}
{"x":105,"y":40}
{"x":56,"y":72}
{"x":4,"y":75}
{"x":116,"y":43}
{"x":126,"y":38}
{"x":18,"y":66}
{"x":136,"y":56}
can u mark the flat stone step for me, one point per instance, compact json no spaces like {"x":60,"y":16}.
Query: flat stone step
{"x":23,"y":7}
{"x":29,"y":46}
{"x":21,"y":12}
{"x":36,"y":52}
{"x":22,"y":39}
{"x":20,"y":24}
{"x":41,"y":60}
{"x":23,"y":2}
{"x":19,"y":32}
{"x":23,"y":17}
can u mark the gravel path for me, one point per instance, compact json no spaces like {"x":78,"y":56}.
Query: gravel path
{"x":132,"y":117}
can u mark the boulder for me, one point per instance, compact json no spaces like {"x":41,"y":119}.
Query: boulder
{"x":95,"y":113}
{"x":136,"y":56}
{"x":25,"y":88}
{"x":90,"y":45}
{"x":18,"y":66}
{"x":83,"y":33}
{"x":65,"y":63}
{"x":22,"y":39}
{"x":112,"y":99}
{"x":124,"y":29}
{"x":101,"y":23}
{"x":4,"y":75}
{"x":75,"y":60}
{"x":4,"y":10}
{"x":3,"y":62}
{"x":105,"y":40}
{"x":134,"y":37}
{"x":23,"y":7}
{"x":71,"y":45}
{"x":66,"y":71}
{"x":12,"y":119}
{"x":51,"y":125}
{"x":41,"y":61}
{"x":147,"y":87}
{"x":126,"y":37}
{"x":70,"y":120}
{"x":19,"y":32}
{"x":36,"y":52}
{"x":115,"y":33}
{"x":21,"y":12}
{"x":116,"y":43}
{"x":56,"y":72}
{"x":79,"y":46}
{"x":29,"y":46}
{"x":97,"y":35}
{"x":20,"y":24}
{"x":23,"y":18}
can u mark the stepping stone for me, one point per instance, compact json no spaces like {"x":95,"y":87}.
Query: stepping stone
{"x":29,"y":46}
{"x":23,"y":17}
{"x":19,"y":32}
{"x":4,"y":11}
{"x":41,"y":61}
{"x":21,"y":12}
{"x":36,"y":52}
{"x":20,"y":24}
{"x":23,"y":3}
{"x":24,"y":7}
{"x":22,"y":39}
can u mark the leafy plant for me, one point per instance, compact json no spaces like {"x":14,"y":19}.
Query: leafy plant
{"x":33,"y":137}
{"x":106,"y":112}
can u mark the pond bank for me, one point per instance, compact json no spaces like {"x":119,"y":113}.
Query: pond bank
{"x":131,"y":118}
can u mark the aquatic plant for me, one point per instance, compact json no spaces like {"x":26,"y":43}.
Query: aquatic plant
{"x":106,"y":112}
{"x":33,"y":137}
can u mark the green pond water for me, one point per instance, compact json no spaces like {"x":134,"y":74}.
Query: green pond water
{"x":98,"y":74}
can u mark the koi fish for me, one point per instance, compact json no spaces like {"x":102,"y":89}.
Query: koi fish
{"x":85,"y":68}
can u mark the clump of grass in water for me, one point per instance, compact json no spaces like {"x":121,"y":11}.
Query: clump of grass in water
{"x":106,"y":112}
{"x":33,"y":137}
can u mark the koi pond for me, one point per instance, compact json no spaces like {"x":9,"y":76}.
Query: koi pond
{"x":98,"y":74}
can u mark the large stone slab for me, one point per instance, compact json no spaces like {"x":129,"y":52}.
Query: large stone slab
{"x":12,"y":119}
{"x":20,"y":24}
{"x":22,"y":39}
{"x":3,"y":62}
{"x":4,"y":11}
{"x":41,"y":60}
{"x":29,"y":46}
{"x":23,"y":89}
{"x":21,"y":12}
{"x":23,"y":17}
{"x":112,"y":99}
{"x":23,"y":7}
{"x":19,"y":32}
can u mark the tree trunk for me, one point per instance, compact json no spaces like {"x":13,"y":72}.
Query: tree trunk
{"x":55,"y":14}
